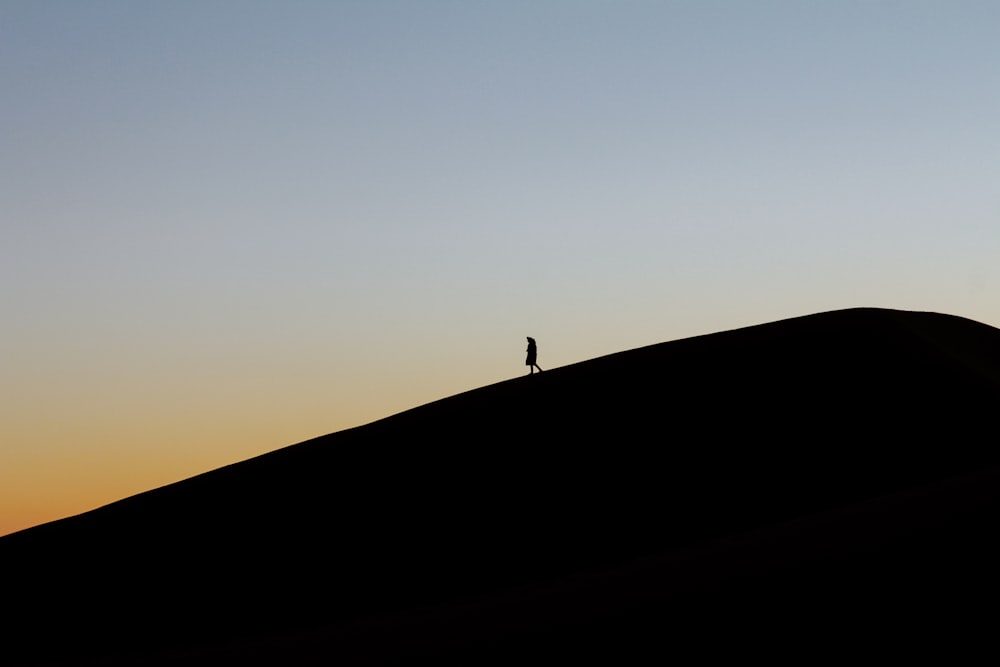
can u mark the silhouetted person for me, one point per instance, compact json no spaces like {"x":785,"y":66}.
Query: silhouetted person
{"x":532,"y":356}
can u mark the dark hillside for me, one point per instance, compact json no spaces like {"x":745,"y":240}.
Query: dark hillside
{"x":624,"y":471}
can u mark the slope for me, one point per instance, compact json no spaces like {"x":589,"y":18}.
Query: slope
{"x":584,"y":468}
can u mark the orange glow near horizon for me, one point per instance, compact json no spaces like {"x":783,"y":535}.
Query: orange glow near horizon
{"x":69,"y":452}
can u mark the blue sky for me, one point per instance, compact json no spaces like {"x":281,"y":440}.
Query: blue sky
{"x":230,"y":226}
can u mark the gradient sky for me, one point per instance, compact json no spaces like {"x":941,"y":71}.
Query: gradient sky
{"x":231,"y":226}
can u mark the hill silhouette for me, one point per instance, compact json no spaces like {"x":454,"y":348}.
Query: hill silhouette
{"x":819,"y":475}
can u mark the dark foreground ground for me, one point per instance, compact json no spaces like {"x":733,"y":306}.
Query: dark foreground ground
{"x":829,"y":482}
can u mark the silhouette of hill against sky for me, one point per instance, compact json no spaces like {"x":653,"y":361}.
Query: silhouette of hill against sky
{"x":813,"y":463}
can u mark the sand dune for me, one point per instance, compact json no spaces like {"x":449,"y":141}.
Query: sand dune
{"x":811,"y":476}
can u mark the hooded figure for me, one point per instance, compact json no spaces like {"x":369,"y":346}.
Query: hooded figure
{"x":532,"y":356}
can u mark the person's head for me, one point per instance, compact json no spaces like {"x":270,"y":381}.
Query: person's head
{"x":530,"y":339}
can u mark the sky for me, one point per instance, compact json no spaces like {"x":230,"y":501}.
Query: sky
{"x":228,"y":227}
